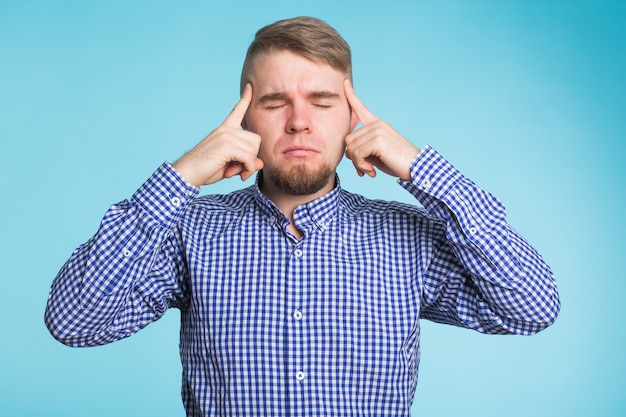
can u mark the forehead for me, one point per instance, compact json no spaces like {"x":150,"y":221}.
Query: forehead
{"x":285,"y":71}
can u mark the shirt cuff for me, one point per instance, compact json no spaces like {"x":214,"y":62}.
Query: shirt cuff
{"x":447,"y":194}
{"x":431,"y":174}
{"x":165,"y":195}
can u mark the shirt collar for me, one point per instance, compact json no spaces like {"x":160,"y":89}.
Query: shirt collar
{"x":308,"y":217}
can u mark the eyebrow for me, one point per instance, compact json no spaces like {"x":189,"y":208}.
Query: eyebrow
{"x":312,"y":95}
{"x":323,"y":94}
{"x":271,"y":97}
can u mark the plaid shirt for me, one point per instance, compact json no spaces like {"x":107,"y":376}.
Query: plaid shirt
{"x":324,"y":325}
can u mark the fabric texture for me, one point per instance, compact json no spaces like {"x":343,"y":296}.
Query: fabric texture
{"x":324,"y":325}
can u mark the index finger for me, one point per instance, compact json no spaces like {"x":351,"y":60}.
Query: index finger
{"x":239,"y":111}
{"x":362,"y":112}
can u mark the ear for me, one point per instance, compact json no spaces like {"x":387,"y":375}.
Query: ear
{"x":354,"y":120}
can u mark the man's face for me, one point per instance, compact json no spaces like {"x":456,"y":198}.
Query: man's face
{"x":300,"y":111}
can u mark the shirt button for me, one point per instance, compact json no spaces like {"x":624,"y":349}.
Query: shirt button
{"x":300,"y":376}
{"x":126,"y":253}
{"x":175,"y":201}
{"x":473,"y":230}
{"x":298,"y":253}
{"x":297,"y":315}
{"x":426,"y":183}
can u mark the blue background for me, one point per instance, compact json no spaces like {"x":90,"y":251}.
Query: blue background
{"x":526,"y":98}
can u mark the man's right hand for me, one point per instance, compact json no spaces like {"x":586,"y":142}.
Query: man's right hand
{"x":226,"y":152}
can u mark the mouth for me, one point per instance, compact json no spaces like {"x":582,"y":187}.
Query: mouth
{"x":299,"y":151}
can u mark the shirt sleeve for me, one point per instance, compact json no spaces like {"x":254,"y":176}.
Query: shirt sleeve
{"x":130,"y":272}
{"x":485,"y":276}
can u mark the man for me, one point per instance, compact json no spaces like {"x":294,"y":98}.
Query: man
{"x":296,"y":296}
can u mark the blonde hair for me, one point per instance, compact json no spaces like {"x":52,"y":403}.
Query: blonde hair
{"x":305,"y":36}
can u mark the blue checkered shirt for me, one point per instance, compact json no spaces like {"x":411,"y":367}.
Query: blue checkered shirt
{"x":323,"y":325}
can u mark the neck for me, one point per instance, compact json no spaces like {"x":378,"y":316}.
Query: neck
{"x":287,"y":203}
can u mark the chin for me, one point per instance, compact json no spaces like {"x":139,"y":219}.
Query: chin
{"x":300,"y":179}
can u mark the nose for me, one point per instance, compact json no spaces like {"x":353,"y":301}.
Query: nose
{"x":298,"y":120}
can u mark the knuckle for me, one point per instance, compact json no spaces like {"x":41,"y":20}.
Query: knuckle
{"x":221,"y":129}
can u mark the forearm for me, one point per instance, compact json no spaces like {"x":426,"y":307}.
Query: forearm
{"x":512,"y":289}
{"x":128,"y":274}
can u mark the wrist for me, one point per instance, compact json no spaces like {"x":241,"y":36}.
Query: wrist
{"x":185,"y":173}
{"x":414,"y":154}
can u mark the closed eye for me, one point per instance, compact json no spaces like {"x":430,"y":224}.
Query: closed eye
{"x":324,"y":99}
{"x":274,"y":106}
{"x":273,"y":101}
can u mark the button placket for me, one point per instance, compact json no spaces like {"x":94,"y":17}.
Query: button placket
{"x":298,"y":355}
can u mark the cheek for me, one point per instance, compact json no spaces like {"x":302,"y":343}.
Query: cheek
{"x":344,"y":120}
{"x":267,"y":130}
{"x":254,"y":121}
{"x":339,"y":126}
{"x":260,"y":120}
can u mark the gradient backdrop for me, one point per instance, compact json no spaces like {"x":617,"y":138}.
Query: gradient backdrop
{"x":527,"y":98}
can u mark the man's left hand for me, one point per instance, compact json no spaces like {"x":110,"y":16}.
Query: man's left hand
{"x":376,"y":144}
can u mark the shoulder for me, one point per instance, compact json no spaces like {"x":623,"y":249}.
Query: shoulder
{"x":402,"y":225}
{"x":232,"y":202}
{"x":358,"y":206}
{"x":218,"y":210}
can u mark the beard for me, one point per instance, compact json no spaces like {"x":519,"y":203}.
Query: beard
{"x":299,"y":180}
